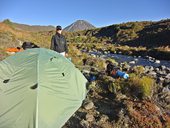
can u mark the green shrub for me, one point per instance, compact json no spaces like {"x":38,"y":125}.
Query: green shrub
{"x":141,"y":86}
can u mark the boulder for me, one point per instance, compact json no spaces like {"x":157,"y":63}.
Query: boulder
{"x":132,"y":62}
{"x":157,"y":61}
{"x":149,"y":68}
{"x":104,"y":118}
{"x":156,"y":69}
{"x":88,"y":105}
{"x":167,"y":76}
{"x":162,"y":67}
{"x":84,"y":124}
{"x":160,"y":79}
{"x":152,"y":73}
{"x":89,"y":118}
{"x":135,"y":59}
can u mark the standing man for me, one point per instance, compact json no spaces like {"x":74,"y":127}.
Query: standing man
{"x":58,"y":42}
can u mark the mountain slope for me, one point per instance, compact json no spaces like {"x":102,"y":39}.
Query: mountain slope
{"x":31,"y":28}
{"x":144,"y":33}
{"x":79,"y":25}
{"x":12,"y":37}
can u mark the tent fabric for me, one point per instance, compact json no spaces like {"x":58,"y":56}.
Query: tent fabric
{"x":39,"y":88}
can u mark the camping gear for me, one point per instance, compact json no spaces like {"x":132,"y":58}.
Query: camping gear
{"x":92,"y":77}
{"x":122,"y":74}
{"x":117,"y":73}
{"x":39,"y":88}
{"x":111,"y":69}
{"x":28,"y":45}
{"x":13,"y":49}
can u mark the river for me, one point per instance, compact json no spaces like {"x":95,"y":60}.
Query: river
{"x":138,"y":60}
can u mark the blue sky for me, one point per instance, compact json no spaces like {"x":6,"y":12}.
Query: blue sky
{"x":98,"y":12}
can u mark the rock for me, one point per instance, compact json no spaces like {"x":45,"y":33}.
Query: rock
{"x":166,"y":82}
{"x":86,"y":71}
{"x":151,"y":59}
{"x":121,"y":113}
{"x":132,"y":62}
{"x":152,"y":73}
{"x":162,"y":67}
{"x":125,"y":66}
{"x":146,"y":57}
{"x":149,"y":68}
{"x":165,"y":95}
{"x":168,"y":70}
{"x":84,"y":124}
{"x":91,"y":85}
{"x":157,"y":61}
{"x":88,"y":105}
{"x":135,"y":59}
{"x":160,"y":79}
{"x":121,"y":96}
{"x":93,"y":55}
{"x":167,"y":99}
{"x":167,"y":76}
{"x":90,"y":118}
{"x":157,"y":108}
{"x":104,"y":118}
{"x":105,"y":52}
{"x":162,"y":73}
{"x":166,"y":89}
{"x":157,"y":69}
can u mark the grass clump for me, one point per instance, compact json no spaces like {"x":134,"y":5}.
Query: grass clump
{"x":136,"y":86}
{"x":141,"y":87}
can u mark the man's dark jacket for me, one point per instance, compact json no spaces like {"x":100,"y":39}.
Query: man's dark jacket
{"x":58,"y":43}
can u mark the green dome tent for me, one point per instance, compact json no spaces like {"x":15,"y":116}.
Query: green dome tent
{"x":39,"y":88}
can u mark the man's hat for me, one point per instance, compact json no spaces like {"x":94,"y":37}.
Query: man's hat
{"x":58,"y":27}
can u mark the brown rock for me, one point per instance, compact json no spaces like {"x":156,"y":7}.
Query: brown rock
{"x":84,"y":124}
{"x":88,"y":105}
{"x":90,"y":118}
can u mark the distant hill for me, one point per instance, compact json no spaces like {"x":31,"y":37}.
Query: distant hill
{"x":79,"y":25}
{"x":31,"y":28}
{"x":12,"y":37}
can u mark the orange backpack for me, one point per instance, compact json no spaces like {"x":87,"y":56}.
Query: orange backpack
{"x":12,"y":50}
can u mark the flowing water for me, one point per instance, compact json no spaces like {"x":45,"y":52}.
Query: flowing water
{"x":138,"y":60}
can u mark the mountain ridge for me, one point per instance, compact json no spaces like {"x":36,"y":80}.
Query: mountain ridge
{"x":31,"y":28}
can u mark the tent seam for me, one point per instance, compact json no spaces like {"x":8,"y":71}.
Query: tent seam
{"x":37,"y":90}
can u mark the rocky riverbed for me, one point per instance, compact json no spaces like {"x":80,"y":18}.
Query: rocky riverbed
{"x":115,"y":103}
